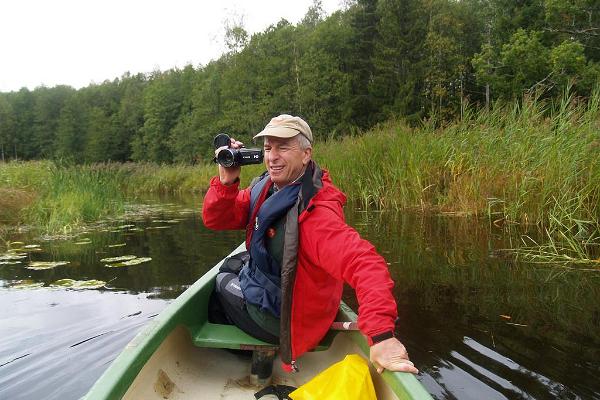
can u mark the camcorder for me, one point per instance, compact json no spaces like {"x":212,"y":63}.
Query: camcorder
{"x":235,"y":157}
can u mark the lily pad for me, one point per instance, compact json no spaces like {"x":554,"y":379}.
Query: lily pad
{"x":78,"y":285}
{"x":128,"y":263}
{"x":12,"y":256}
{"x":118,"y":259}
{"x":125,"y":226}
{"x":39,"y":265}
{"x":9,"y":262}
{"x":29,"y":249}
{"x":26,"y":284}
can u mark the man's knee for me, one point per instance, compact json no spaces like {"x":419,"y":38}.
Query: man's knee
{"x":228,"y":288}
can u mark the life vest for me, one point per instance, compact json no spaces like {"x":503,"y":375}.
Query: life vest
{"x":264,"y":282}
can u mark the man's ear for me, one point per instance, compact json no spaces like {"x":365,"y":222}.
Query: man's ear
{"x":306,"y":156}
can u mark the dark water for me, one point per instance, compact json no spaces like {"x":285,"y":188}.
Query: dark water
{"x":476,"y":325}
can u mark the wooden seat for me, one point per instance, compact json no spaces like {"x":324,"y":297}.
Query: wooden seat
{"x":231,"y":337}
{"x":227,"y":337}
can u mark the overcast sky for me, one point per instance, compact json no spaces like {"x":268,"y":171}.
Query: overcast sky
{"x":54,"y":42}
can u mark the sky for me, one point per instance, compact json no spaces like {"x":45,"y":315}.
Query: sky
{"x":76,"y":43}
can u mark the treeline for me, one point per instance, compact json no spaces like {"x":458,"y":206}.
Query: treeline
{"x":365,"y":64}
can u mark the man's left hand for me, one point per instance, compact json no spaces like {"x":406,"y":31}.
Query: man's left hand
{"x":390,"y":354}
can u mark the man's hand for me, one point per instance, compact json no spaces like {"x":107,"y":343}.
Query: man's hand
{"x":390,"y":354}
{"x":229,"y":175}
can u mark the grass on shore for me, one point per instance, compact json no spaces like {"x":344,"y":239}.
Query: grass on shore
{"x":531,"y":162}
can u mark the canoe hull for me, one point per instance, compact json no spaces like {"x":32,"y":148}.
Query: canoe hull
{"x":161,"y":362}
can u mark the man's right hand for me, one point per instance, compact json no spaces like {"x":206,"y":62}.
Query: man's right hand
{"x":229,"y":176}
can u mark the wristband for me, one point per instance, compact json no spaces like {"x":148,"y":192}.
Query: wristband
{"x":382,"y":336}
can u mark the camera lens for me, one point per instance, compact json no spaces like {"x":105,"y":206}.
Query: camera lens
{"x":225,"y":158}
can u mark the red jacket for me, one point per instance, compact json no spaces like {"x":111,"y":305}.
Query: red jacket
{"x":330,"y":252}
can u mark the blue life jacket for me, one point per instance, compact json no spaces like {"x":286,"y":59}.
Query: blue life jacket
{"x":260,"y":279}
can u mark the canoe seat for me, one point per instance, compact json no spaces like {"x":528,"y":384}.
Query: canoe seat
{"x":231,"y":337}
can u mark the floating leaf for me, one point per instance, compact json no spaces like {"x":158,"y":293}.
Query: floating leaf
{"x":38,"y":265}
{"x":12,"y":256}
{"x":26,"y":284}
{"x":63,"y":282}
{"x":117,"y":259}
{"x":117,"y":245}
{"x":90,"y":284}
{"x":128,"y":263}
{"x":9,"y":262}
{"x":78,"y":285}
{"x":29,"y":248}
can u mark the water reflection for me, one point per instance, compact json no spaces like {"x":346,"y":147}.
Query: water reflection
{"x":54,"y":342}
{"x":482,"y":327}
{"x":477,"y":326}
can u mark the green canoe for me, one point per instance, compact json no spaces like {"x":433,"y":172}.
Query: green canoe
{"x":180,"y":355}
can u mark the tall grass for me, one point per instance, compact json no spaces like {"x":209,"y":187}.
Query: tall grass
{"x":528,"y":162}
{"x":534,"y":162}
{"x":516,"y":162}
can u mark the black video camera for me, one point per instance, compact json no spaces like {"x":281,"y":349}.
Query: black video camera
{"x":235,"y":157}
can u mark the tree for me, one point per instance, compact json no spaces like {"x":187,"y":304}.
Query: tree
{"x":46,"y":113}
{"x":130,"y":116}
{"x":398,"y":58}
{"x":70,"y":135}
{"x":363,"y":20}
{"x":7,"y":127}
{"x":99,"y":145}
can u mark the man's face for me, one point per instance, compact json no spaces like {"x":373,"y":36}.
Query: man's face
{"x":284,"y":159}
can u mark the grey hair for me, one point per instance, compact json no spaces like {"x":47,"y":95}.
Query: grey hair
{"x":303,"y":142}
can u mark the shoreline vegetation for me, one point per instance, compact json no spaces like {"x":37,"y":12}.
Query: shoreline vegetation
{"x":532,"y":163}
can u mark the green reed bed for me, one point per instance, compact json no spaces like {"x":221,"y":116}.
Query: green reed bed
{"x":73,"y":196}
{"x":516,"y":162}
{"x":534,"y":163}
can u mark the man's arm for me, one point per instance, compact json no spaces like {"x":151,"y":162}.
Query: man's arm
{"x":225,"y":206}
{"x":339,"y":249}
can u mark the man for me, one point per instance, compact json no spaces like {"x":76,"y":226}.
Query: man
{"x":301,"y":252}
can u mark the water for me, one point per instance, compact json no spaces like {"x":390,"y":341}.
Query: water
{"x":477,"y":325}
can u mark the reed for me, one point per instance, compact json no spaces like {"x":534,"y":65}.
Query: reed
{"x":73,"y":196}
{"x":511,"y":163}
{"x":528,"y":163}
{"x":531,"y":162}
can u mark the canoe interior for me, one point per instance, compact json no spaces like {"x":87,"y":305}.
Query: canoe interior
{"x":178,"y":370}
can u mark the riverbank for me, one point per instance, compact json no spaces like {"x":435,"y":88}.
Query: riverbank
{"x":532,"y":163}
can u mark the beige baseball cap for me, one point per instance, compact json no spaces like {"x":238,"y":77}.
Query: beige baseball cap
{"x":286,"y":126}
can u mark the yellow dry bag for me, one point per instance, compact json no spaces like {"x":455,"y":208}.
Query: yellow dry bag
{"x":348,"y":379}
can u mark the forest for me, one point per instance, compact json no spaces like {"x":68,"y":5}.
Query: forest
{"x":370,"y":62}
